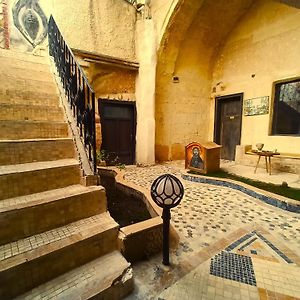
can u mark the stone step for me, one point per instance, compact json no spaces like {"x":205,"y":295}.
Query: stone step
{"x":89,"y":281}
{"x":14,"y":130}
{"x":31,"y":112}
{"x":13,"y":152}
{"x":15,"y":96}
{"x":30,"y":262}
{"x":20,"y":217}
{"x":23,"y":57}
{"x":26,"y":85}
{"x":21,"y":72}
{"x":25,"y":179}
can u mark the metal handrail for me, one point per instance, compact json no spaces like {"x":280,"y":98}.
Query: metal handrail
{"x":80,"y":94}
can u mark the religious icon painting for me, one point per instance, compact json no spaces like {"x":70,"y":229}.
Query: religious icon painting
{"x":194,"y":157}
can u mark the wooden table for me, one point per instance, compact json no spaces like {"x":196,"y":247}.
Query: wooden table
{"x":267,"y":155}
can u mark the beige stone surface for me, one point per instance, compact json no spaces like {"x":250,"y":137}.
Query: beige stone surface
{"x":18,"y":96}
{"x":265,"y":43}
{"x":29,"y":112}
{"x":106,"y":27}
{"x":147,"y":234}
{"x":145,"y":92}
{"x":162,"y":11}
{"x":108,"y":80}
{"x":25,"y":179}
{"x":26,"y":151}
{"x":208,"y":220}
{"x":205,"y":43}
{"x":184,"y":109}
{"x":50,"y":223}
{"x":32,"y":129}
{"x":57,"y":252}
{"x":90,"y":280}
{"x":71,"y":203}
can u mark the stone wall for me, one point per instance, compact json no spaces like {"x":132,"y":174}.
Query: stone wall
{"x":244,"y":45}
{"x":112,"y":82}
{"x":262,"y":49}
{"x":146,"y":234}
{"x":106,"y":26}
{"x":161,"y":11}
{"x":184,"y":108}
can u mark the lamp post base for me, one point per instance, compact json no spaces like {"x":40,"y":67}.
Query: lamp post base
{"x":166,"y":216}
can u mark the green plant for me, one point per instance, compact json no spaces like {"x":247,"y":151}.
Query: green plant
{"x":121,"y":166}
{"x":103,"y":155}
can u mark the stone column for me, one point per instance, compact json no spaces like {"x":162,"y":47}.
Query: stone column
{"x":145,"y":92}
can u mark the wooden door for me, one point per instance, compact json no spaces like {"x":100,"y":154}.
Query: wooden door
{"x":228,"y":121}
{"x":118,"y":130}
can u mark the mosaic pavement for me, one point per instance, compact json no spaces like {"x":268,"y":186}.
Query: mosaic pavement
{"x":232,"y":246}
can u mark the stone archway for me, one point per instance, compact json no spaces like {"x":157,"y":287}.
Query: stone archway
{"x":191,"y":42}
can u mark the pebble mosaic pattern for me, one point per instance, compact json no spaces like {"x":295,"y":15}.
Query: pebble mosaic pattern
{"x":208,"y":219}
{"x":208,"y":212}
{"x":234,"y":267}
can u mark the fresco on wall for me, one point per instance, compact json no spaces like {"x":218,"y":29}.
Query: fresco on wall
{"x":194,"y":157}
{"x":30,"y":20}
{"x":256,"y":106}
{"x":4,"y":38}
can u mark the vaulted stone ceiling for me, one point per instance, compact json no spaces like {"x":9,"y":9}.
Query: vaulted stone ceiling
{"x":197,"y":23}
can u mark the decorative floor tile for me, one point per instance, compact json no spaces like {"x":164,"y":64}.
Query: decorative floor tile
{"x":240,"y":224}
{"x":234,"y":267}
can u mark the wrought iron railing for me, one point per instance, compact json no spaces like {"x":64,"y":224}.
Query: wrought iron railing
{"x":80,"y":94}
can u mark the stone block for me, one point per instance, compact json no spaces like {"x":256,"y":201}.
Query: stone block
{"x":20,"y":217}
{"x":18,"y":180}
{"x":14,"y":130}
{"x":31,"y":112}
{"x":82,"y":243}
{"x":27,"y":151}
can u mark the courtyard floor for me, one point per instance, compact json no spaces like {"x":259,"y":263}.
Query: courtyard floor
{"x":232,"y":246}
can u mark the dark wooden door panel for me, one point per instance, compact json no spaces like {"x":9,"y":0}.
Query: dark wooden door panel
{"x":228,"y":124}
{"x":108,"y":138}
{"x":125,"y":141}
{"x":118,"y":130}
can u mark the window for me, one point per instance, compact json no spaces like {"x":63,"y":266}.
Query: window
{"x":286,"y":115}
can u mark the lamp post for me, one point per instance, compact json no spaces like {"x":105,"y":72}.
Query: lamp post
{"x":167,"y":192}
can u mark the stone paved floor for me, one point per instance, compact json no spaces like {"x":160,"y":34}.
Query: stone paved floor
{"x":222,"y":226}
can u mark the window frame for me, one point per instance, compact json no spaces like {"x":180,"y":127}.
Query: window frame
{"x":274,"y":111}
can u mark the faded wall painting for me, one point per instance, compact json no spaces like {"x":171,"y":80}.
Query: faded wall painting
{"x":4,"y":37}
{"x":29,"y":23}
{"x":256,"y":106}
{"x":194,"y":157}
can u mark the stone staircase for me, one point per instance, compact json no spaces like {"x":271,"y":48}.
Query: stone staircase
{"x":57,"y":239}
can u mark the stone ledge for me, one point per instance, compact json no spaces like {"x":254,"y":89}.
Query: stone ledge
{"x":134,"y":234}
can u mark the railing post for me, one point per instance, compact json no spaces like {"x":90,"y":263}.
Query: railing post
{"x":94,"y":131}
{"x":79,"y":93}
